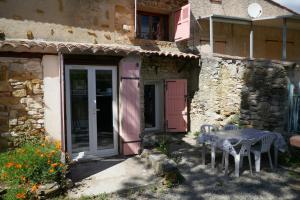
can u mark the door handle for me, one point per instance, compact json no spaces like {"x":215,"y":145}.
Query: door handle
{"x":97,"y":110}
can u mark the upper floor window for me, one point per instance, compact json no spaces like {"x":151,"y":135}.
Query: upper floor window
{"x":153,"y":26}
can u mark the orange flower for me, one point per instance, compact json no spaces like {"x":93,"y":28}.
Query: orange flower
{"x":3,"y":175}
{"x":34,"y":188}
{"x":51,"y":170}
{"x":42,"y":155}
{"x":9,"y":164}
{"x":18,"y":166}
{"x":49,"y":161}
{"x":20,"y":196}
{"x":43,"y":144}
{"x":23,"y":178}
{"x":54,"y":165}
{"x":61,"y":165}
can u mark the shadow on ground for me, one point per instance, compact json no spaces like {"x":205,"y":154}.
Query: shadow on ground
{"x":82,"y":170}
{"x":204,"y":183}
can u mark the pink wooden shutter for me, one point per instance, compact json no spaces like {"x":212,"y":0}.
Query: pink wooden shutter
{"x":182,"y":23}
{"x":130,"y":107}
{"x":176,"y":105}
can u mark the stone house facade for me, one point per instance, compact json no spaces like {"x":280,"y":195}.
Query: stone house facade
{"x":98,"y":74}
{"x":82,"y":73}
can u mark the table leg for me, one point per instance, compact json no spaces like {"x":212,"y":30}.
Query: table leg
{"x":237,"y":165}
{"x":203,"y":153}
{"x":213,"y":156}
{"x":226,"y":163}
{"x":275,"y":157}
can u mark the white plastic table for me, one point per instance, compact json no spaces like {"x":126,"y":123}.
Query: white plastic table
{"x":224,"y":140}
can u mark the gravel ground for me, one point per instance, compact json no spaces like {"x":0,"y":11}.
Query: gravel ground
{"x":203,"y":183}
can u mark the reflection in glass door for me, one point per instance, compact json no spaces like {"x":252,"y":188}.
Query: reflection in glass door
{"x":79,"y":110}
{"x":104,"y":98}
{"x":91,"y":111}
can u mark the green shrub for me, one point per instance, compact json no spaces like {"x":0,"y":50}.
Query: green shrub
{"x":29,"y":166}
{"x":196,"y":134}
{"x":173,"y":178}
{"x":291,"y":158}
{"x":235,"y":119}
{"x":163,"y":147}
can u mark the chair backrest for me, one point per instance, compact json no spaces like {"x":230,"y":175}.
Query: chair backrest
{"x":206,"y":128}
{"x":229,"y":127}
{"x":266,"y":142}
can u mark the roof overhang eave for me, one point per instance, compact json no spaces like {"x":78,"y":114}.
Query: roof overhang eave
{"x":241,"y":20}
{"x":228,"y":19}
{"x":37,"y":46}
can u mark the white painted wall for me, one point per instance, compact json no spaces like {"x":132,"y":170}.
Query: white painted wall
{"x":52,"y":98}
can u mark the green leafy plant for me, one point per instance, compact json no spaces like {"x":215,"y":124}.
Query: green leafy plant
{"x":24,"y":169}
{"x":290,"y":158}
{"x":235,"y":119}
{"x":172,"y":179}
{"x":163,"y":147}
{"x":196,"y":134}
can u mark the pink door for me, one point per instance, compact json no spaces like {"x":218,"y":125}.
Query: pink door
{"x":130,"y":107}
{"x":176,"y":105}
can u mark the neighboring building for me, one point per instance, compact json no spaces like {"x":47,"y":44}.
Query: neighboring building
{"x":99,"y":74}
{"x":232,"y":27}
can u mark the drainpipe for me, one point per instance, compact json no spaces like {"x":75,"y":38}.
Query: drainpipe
{"x":251,"y":41}
{"x":62,"y":111}
{"x":135,"y":18}
{"x":211,"y":34}
{"x":284,"y":30}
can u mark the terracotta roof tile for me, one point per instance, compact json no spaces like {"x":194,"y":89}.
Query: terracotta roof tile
{"x":39,"y":46}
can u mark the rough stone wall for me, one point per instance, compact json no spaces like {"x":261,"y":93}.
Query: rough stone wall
{"x":88,"y":21}
{"x":219,"y":94}
{"x":21,"y":97}
{"x":83,"y":21}
{"x":252,"y":93}
{"x":159,"y":69}
{"x":264,"y":96}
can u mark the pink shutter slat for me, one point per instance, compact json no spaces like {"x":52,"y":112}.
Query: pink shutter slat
{"x":182,"y":22}
{"x":130,"y":108}
{"x":176,"y":105}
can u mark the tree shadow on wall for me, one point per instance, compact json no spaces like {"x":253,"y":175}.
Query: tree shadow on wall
{"x":264,"y":97}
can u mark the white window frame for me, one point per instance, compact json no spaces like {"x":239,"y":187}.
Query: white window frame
{"x":93,"y":151}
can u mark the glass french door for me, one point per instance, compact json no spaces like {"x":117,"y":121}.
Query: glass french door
{"x":91,"y":111}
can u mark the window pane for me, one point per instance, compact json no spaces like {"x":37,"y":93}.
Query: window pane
{"x":79,"y":110}
{"x":104,"y":109}
{"x":153,"y":26}
{"x":149,"y":106}
{"x":156,"y":30}
{"x":145,"y":27}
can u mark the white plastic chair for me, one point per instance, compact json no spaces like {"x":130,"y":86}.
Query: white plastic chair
{"x":207,"y":129}
{"x":264,"y":147}
{"x":238,"y":151}
{"x":229,"y":127}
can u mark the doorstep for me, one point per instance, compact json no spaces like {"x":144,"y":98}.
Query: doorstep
{"x":109,"y":176}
